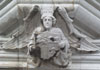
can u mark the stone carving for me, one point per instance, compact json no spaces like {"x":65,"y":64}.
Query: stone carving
{"x":48,"y":42}
{"x":83,"y":38}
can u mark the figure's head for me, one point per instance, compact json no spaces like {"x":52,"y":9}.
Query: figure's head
{"x":47,"y":18}
{"x":48,"y":21}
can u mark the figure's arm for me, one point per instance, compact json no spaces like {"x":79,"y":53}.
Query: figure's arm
{"x":62,"y":11}
{"x":32,"y":49}
{"x":32,"y":40}
{"x":31,"y":43}
{"x":64,"y":41}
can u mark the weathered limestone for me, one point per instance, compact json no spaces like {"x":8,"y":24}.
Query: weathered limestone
{"x":85,"y":57}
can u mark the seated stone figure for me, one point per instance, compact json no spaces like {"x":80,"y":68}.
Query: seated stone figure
{"x":48,"y":42}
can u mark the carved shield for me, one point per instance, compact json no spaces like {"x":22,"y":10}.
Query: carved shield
{"x":48,"y":43}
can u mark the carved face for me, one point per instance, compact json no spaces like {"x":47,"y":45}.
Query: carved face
{"x":47,"y":22}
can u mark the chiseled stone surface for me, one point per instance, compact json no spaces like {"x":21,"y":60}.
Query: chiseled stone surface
{"x":85,"y":57}
{"x":83,"y":61}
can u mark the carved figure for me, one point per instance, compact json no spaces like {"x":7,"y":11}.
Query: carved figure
{"x":48,"y":42}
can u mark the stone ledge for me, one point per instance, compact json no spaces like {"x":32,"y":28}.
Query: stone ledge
{"x":74,"y":66}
